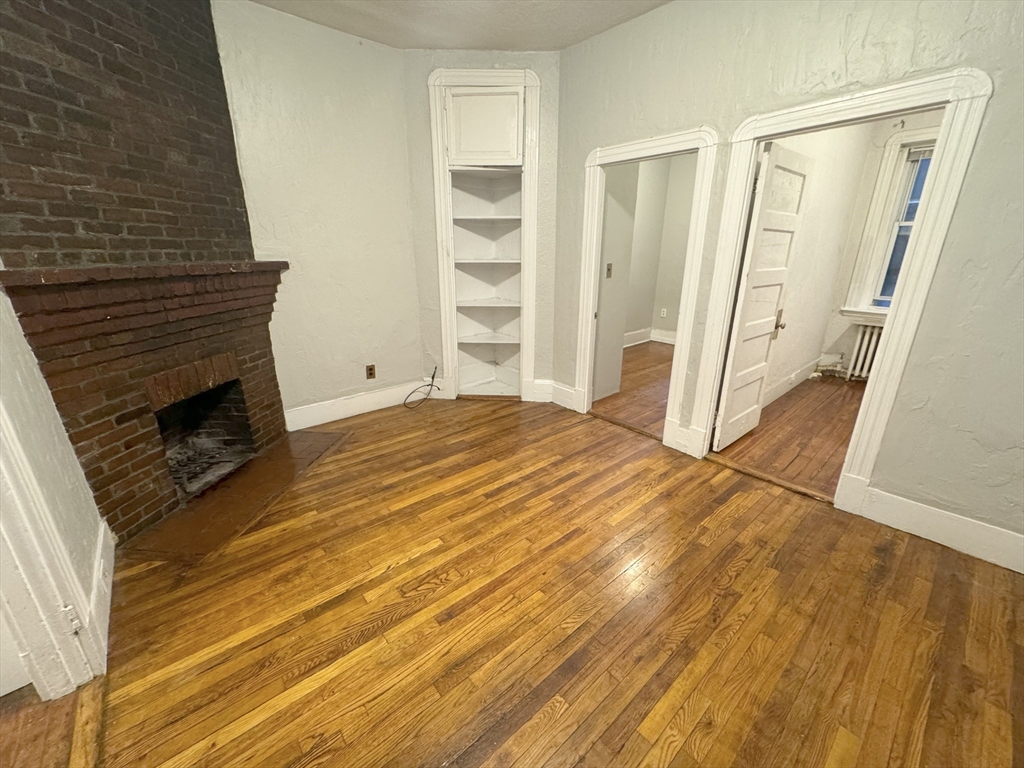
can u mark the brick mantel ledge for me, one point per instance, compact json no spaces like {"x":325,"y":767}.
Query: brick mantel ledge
{"x":67,"y":275}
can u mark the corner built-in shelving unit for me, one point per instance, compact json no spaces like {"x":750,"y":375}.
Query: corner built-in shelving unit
{"x":485,"y":154}
{"x":487,"y":251}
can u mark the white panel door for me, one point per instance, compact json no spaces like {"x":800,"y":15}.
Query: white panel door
{"x":775,"y":216}
{"x":613,"y":292}
{"x":485,"y":125}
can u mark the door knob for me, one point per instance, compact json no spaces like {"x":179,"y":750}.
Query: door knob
{"x":779,"y":325}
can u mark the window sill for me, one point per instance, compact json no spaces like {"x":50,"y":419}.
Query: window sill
{"x":866,"y":315}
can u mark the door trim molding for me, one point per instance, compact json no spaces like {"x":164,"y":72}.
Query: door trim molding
{"x":39,"y":581}
{"x":704,"y":141}
{"x":964,"y":93}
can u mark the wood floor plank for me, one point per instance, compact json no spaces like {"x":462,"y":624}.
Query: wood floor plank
{"x":802,"y":437}
{"x":642,"y":398}
{"x":512,"y":584}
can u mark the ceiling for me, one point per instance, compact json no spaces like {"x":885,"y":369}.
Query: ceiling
{"x":496,"y":25}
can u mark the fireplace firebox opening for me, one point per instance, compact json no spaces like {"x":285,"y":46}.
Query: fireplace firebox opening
{"x":206,"y":437}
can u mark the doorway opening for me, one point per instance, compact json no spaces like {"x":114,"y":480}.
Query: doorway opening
{"x":696,"y":147}
{"x":830,"y":218}
{"x":646,"y":226}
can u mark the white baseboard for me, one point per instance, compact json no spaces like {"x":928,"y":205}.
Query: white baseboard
{"x":779,"y":388}
{"x":548,"y":391}
{"x":567,"y":397}
{"x":686,"y":440}
{"x":98,"y":620}
{"x":536,"y":391}
{"x":352,"y":405}
{"x":632,"y":338}
{"x":972,"y":537}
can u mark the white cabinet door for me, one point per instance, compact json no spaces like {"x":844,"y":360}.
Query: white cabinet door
{"x":776,"y":212}
{"x":485,"y":125}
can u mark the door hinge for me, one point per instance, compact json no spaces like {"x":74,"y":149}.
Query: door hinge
{"x":71,"y":615}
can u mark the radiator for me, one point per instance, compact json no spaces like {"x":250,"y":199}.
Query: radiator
{"x":863,"y":357}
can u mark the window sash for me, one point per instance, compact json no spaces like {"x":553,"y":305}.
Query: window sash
{"x":902,"y":224}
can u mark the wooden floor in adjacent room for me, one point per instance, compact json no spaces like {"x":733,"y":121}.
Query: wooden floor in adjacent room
{"x":642,"y":398}
{"x":803,"y":436}
{"x":493,"y":583}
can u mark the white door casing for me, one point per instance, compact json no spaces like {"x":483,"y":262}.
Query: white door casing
{"x":775,"y":218}
{"x":485,"y":125}
{"x":704,"y":141}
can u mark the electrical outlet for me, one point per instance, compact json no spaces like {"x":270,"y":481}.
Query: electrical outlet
{"x":664,"y":313}
{"x":371,"y":371}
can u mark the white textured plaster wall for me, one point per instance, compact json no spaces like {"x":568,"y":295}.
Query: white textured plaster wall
{"x":676,"y":232}
{"x":320,"y":128}
{"x":956,"y":436}
{"x":418,"y":66}
{"x":648,"y":225}
{"x":40,"y":433}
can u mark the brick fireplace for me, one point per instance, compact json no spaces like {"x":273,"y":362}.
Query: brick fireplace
{"x":125,"y":247}
{"x":123,"y":348}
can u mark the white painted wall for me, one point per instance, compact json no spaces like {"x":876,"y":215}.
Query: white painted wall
{"x":333,"y":141}
{"x":678,"y":204}
{"x":956,"y":437}
{"x":320,"y":128}
{"x":829,"y":204}
{"x":651,"y":193}
{"x":56,"y":549}
{"x":620,"y":199}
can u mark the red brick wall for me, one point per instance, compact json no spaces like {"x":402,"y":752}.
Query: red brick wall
{"x":100,"y":333}
{"x":115,"y":136}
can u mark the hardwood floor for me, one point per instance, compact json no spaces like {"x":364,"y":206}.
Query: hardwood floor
{"x":642,"y":398}
{"x":803,"y":436}
{"x":51,"y":734}
{"x":490,"y":583}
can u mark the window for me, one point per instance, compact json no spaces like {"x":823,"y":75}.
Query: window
{"x":915,"y":170}
{"x":895,"y":200}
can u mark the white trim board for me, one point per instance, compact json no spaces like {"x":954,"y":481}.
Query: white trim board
{"x":702,"y":140}
{"x":41,"y":593}
{"x":305,"y":416}
{"x":986,"y":542}
{"x":632,"y":338}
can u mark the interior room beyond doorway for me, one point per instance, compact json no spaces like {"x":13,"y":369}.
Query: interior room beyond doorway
{"x":831,"y":216}
{"x":646,"y":225}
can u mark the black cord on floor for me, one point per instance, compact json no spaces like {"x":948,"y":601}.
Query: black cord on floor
{"x":429,"y":387}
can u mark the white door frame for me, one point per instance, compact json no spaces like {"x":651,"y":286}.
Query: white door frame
{"x":702,"y":140}
{"x":964,"y":93}
{"x":437,"y":82}
{"x":60,"y":631}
